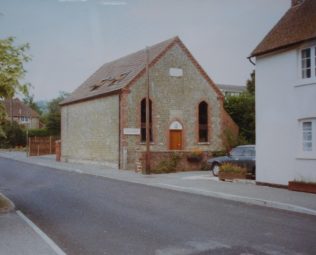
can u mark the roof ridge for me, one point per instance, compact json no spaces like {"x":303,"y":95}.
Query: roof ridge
{"x":137,"y":66}
{"x":139,"y":51}
{"x":133,"y":66}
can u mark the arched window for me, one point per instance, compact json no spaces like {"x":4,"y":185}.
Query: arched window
{"x":203,"y":122}
{"x":143,"y":120}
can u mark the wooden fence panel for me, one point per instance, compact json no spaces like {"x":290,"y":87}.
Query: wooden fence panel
{"x":38,"y":146}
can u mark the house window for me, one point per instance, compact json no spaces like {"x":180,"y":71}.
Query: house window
{"x":203,"y":122}
{"x":143,"y":120}
{"x":308,"y":63}
{"x":24,"y":119}
{"x":307,"y":141}
{"x":307,"y":130}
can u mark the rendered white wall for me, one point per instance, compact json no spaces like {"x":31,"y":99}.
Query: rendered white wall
{"x":280,"y":102}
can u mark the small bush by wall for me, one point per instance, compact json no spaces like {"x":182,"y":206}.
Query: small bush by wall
{"x":229,"y":172}
{"x":230,"y":168}
{"x":172,"y":161}
{"x":167,"y":165}
{"x":219,"y":153}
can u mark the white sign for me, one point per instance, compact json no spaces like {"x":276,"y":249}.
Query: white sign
{"x":131,"y":131}
{"x":175,"y":72}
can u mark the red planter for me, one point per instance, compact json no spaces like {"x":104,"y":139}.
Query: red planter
{"x":302,"y":186}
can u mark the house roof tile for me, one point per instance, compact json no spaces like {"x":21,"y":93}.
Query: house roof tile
{"x":296,"y":26}
{"x":19,"y":109}
{"x":120,"y":73}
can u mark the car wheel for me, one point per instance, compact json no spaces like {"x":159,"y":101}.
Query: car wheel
{"x":215,"y":168}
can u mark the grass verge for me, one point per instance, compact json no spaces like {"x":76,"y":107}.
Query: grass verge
{"x":5,"y":204}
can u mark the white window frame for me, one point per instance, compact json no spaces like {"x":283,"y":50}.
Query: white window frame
{"x":24,"y":119}
{"x":311,"y":79}
{"x":303,"y":153}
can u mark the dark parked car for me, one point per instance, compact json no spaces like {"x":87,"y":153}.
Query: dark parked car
{"x":244,"y":155}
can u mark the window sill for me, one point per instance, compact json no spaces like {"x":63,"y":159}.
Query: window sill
{"x":204,"y":143}
{"x":306,"y":157}
{"x":305,"y":82}
{"x":144,"y":143}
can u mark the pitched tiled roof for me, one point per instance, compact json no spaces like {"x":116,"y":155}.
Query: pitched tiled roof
{"x":19,"y":108}
{"x":118,"y":74}
{"x":296,"y":26}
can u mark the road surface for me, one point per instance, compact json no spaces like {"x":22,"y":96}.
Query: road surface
{"x":92,"y":215}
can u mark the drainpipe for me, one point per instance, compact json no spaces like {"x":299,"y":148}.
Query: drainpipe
{"x":11,"y":110}
{"x":119,"y":136}
{"x":147,"y":170}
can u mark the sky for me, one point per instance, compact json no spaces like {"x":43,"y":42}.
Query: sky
{"x":71,"y":39}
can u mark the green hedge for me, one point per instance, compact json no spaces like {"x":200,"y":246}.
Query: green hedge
{"x":40,"y":132}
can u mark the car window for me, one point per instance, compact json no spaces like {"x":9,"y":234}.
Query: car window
{"x":249,"y":151}
{"x":237,"y":152}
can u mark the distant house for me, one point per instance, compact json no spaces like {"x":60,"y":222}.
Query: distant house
{"x":21,"y":113}
{"x":286,"y":97}
{"x":104,"y":119}
{"x":231,"y":90}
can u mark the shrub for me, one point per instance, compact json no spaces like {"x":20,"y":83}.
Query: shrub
{"x":168,"y":165}
{"x":13,"y":135}
{"x":205,"y":166}
{"x":218,"y":153}
{"x":230,"y":168}
{"x":40,"y":132}
{"x":196,"y":155}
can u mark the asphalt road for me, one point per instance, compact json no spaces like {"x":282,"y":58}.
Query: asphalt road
{"x":93,"y":215}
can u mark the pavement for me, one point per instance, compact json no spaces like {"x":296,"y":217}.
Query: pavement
{"x":21,"y":236}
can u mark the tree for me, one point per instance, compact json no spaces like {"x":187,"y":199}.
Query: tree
{"x":14,"y":135}
{"x":251,"y":83}
{"x":242,"y":110}
{"x":53,"y":117}
{"x":29,"y":101}
{"x":12,"y":59}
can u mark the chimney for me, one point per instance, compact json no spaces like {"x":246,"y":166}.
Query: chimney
{"x":296,"y":2}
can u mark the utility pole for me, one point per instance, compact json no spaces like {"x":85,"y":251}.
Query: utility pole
{"x":11,"y":110}
{"x":147,"y":170}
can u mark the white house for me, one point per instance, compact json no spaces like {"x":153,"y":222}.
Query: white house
{"x":286,"y":98}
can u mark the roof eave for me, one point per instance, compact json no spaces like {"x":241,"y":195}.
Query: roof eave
{"x":80,"y":100}
{"x":283,"y":47}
